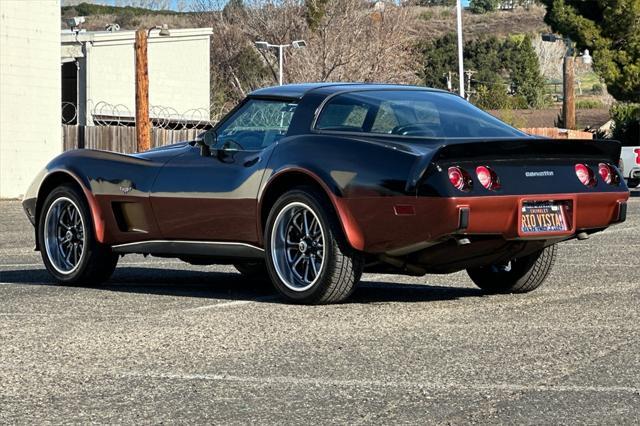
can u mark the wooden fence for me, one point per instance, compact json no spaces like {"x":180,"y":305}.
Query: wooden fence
{"x":556,"y":133}
{"x":119,"y":138}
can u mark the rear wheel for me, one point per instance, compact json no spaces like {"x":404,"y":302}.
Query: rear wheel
{"x":519,"y":275}
{"x":67,"y":242}
{"x":632,"y":183}
{"x":307,"y":257}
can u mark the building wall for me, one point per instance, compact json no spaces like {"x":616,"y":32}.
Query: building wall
{"x":30,"y":133}
{"x":178,"y":74}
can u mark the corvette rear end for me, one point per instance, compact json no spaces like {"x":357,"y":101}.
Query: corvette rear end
{"x":482,"y":203}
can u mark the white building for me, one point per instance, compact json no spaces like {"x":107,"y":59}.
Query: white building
{"x":48,"y":77}
{"x":99,"y":75}
{"x":29,"y":91}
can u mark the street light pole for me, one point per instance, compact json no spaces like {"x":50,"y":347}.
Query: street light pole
{"x":460,"y":47}
{"x":297,"y":44}
{"x":280,"y":65}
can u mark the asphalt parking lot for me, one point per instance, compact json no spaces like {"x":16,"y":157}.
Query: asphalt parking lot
{"x":167,"y":342}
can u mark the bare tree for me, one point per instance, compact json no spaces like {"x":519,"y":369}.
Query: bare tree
{"x":550,"y":57}
{"x":351,"y":41}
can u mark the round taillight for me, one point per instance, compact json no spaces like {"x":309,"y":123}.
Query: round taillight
{"x":585,"y":175}
{"x":487,"y":177}
{"x":458,"y":178}
{"x":607,"y":173}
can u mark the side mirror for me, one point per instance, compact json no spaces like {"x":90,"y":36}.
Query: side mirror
{"x":206,"y":142}
{"x":210,"y":138}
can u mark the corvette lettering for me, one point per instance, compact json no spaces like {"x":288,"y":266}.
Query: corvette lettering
{"x":543,"y":173}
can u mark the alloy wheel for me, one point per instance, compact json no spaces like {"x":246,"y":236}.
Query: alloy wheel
{"x":298,"y":246}
{"x":64,"y":235}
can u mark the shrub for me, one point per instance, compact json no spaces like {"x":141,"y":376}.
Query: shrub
{"x":510,"y":117}
{"x":427,"y":15}
{"x":589,"y":104}
{"x":483,"y":6}
{"x":626,"y":122}
{"x":597,"y":89}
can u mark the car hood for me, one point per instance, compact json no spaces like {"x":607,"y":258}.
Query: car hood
{"x":163,"y":152}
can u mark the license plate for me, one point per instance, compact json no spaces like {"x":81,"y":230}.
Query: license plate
{"x":538,"y":217}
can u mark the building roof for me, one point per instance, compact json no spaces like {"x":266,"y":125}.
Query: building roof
{"x":297,"y":91}
{"x":71,"y":44}
{"x":67,"y":36}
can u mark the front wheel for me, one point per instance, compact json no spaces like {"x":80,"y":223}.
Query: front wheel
{"x":519,"y":275}
{"x":67,"y":242}
{"x":307,"y":257}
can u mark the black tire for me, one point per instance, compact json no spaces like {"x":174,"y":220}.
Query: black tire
{"x":525,"y":273}
{"x":340,"y":268}
{"x":256,"y":271}
{"x":632,"y":183}
{"x":96,"y":261}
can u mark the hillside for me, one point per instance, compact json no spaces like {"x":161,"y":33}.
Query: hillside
{"x":433,"y":22}
{"x":430,"y":22}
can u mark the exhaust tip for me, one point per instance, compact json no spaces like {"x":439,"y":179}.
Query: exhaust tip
{"x":463,"y":241}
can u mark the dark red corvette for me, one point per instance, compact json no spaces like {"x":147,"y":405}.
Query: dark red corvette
{"x":312,"y":184}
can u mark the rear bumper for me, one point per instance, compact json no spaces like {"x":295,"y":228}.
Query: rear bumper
{"x":375,"y":226}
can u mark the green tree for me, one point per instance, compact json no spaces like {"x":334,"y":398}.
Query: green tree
{"x":483,"y":6}
{"x":522,"y":63}
{"x":611,"y":30}
{"x":439,"y":58}
{"x":500,"y":67}
{"x":314,"y":12}
{"x":234,"y":10}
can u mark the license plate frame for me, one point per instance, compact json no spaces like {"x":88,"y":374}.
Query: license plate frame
{"x":544,"y":217}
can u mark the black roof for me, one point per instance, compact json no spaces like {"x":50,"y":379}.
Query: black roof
{"x":297,"y":91}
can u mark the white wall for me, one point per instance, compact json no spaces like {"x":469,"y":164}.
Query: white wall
{"x":30,"y":133}
{"x":178,"y":71}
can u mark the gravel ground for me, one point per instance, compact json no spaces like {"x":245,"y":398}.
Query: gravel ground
{"x":167,"y":342}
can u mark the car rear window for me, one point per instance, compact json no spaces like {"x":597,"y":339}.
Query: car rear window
{"x":419,"y":113}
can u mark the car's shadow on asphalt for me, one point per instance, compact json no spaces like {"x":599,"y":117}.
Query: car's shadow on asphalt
{"x":233,"y":286}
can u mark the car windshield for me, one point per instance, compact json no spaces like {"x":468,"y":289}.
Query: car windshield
{"x":419,"y":113}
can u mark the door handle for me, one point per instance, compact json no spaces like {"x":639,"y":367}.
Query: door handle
{"x":251,"y":161}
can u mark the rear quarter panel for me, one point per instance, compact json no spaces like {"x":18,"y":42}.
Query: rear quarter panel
{"x":355,"y":173}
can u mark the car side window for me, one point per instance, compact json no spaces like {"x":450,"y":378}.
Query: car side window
{"x":256,"y":125}
{"x":343,"y":116}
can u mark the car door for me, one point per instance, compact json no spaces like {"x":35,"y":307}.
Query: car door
{"x":212,"y":196}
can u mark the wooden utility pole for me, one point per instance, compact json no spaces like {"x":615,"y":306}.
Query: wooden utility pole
{"x":143,"y":124}
{"x":568,"y":99}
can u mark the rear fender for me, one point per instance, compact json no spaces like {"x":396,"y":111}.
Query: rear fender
{"x":349,"y":225}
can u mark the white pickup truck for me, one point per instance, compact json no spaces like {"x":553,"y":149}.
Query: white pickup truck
{"x":630,"y":164}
